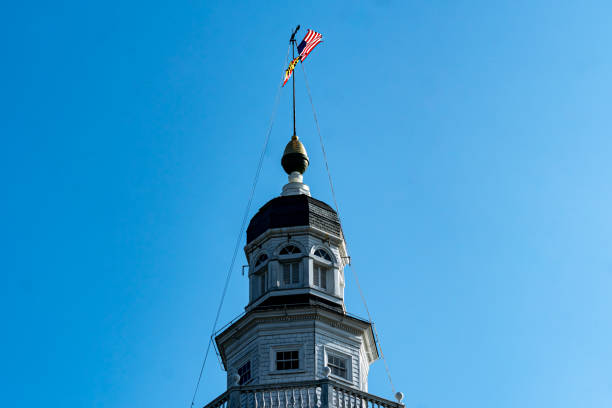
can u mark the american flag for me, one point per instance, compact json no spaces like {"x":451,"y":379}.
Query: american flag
{"x":310,"y":41}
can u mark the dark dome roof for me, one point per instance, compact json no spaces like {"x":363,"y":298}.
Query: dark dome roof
{"x":294,"y":211}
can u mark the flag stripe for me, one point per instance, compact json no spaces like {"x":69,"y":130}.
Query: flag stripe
{"x":308,"y":49}
{"x":311,"y":40}
{"x":310,"y":36}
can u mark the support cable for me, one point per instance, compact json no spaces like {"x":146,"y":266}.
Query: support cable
{"x":331,"y":184}
{"x":242,"y":227}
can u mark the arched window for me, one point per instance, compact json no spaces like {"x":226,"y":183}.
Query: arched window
{"x":321,"y":253}
{"x":290,"y":250}
{"x":290,"y":268}
{"x":322,"y":276}
{"x":262,"y":258}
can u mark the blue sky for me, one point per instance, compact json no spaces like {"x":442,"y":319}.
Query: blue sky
{"x":470,"y":148}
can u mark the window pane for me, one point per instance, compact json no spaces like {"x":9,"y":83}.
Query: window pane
{"x":324,"y":278}
{"x":295,"y":273}
{"x":286,"y":274}
{"x":338,"y":371}
{"x":287,"y":360}
{"x":289,"y":250}
{"x":337,"y":365}
{"x":320,"y":276}
{"x":323,"y":254}
{"x":245,"y":373}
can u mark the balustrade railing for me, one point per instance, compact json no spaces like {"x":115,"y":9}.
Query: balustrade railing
{"x":222,"y":401}
{"x":296,"y":396}
{"x":308,"y":394}
{"x":346,"y":397}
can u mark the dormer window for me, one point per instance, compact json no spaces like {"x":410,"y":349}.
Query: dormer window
{"x":290,"y":250}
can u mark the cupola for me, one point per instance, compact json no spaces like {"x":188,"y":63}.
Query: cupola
{"x":295,"y":245}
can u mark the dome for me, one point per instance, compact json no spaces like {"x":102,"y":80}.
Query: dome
{"x":295,"y":157}
{"x":294,"y":211}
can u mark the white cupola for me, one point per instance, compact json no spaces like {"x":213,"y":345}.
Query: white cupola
{"x":295,"y":246}
{"x":295,"y":326}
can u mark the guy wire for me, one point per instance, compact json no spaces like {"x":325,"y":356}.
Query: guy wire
{"x":331,"y":184}
{"x":242,"y":227}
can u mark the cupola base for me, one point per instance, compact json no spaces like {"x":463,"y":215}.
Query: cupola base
{"x":295,"y":185}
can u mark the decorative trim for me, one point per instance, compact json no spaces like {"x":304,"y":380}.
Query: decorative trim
{"x":295,"y":231}
{"x":332,"y":319}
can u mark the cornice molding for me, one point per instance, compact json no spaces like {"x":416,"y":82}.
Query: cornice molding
{"x":260,"y":319}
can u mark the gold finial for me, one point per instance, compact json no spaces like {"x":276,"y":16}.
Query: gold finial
{"x":295,"y":157}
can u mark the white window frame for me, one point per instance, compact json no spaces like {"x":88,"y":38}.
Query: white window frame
{"x":348,"y":360}
{"x":292,"y":347}
{"x":320,"y":262}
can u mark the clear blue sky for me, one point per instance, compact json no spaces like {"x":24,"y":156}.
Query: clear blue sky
{"x":470,"y":144}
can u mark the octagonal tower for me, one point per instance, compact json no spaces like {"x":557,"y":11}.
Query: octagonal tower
{"x":295,"y":327}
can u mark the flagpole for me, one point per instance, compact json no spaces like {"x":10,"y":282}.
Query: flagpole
{"x":293,"y":84}
{"x":292,"y":41}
